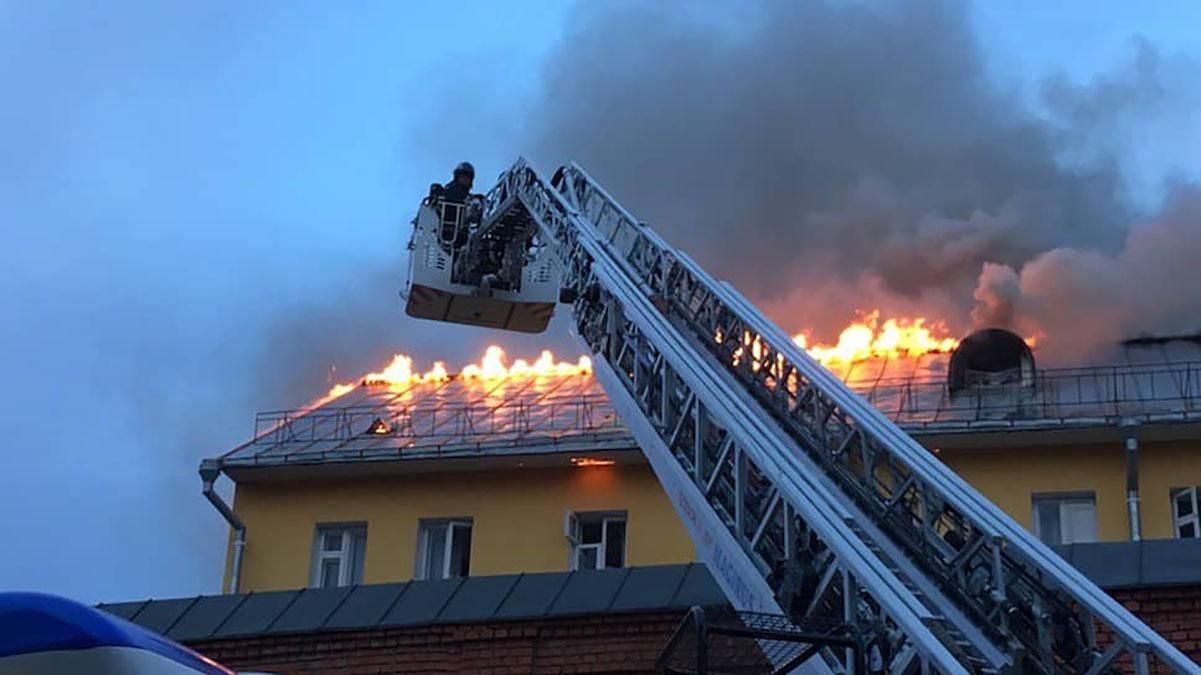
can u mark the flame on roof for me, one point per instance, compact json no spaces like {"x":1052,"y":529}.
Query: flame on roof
{"x":400,"y":372}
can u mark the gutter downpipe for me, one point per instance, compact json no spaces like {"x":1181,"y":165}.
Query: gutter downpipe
{"x":1132,"y":500}
{"x":210,"y":471}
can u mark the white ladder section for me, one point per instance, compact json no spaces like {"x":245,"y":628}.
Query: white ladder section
{"x":799,"y":495}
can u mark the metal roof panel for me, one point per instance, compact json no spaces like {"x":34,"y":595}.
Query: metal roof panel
{"x":532,"y":595}
{"x":1109,"y":565}
{"x":365,"y":605}
{"x":203,"y":618}
{"x":649,"y":588}
{"x":698,"y":588}
{"x":421,"y":603}
{"x":160,"y":615}
{"x":256,"y":614}
{"x":310,"y":610}
{"x":125,"y":610}
{"x":478,"y":598}
{"x":1166,"y":562}
{"x":588,"y":591}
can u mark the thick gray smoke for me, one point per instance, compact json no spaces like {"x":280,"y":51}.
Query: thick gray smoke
{"x":1081,"y":299}
{"x":829,"y":157}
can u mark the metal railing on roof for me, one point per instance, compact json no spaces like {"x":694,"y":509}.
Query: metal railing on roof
{"x":1165,"y":390}
{"x":560,"y":415}
{"x":1062,"y":396}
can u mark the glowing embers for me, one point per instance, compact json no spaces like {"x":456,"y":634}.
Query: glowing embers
{"x":379,"y":428}
{"x":591,"y":461}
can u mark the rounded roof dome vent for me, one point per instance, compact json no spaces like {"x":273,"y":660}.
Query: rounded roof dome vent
{"x":991,"y":357}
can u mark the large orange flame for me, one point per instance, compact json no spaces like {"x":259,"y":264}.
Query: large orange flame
{"x":400,"y":372}
{"x":894,"y":338}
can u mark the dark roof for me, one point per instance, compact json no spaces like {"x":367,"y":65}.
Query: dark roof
{"x":476,"y":599}
{"x":1117,"y":565}
{"x":1144,"y":564}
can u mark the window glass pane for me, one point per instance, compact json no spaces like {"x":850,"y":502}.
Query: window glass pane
{"x":587,"y":559}
{"x":329,"y":572}
{"x":435,"y":550}
{"x":590,"y":531}
{"x":1188,"y":531}
{"x":460,"y":552}
{"x":1184,"y":503}
{"x":358,"y":553}
{"x":1046,"y":517}
{"x":332,"y":540}
{"x":615,"y":542}
{"x":1079,"y":522}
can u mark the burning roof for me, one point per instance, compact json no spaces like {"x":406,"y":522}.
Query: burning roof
{"x":494,"y":405}
{"x":545,"y":405}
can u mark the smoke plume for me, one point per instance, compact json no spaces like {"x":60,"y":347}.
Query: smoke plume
{"x":828,"y":157}
{"x":1084,"y":299}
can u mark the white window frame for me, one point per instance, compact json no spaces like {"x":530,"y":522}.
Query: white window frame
{"x":571,"y":530}
{"x":423,"y":549}
{"x":1193,"y":493}
{"x":345,"y":555}
{"x":1070,"y":500}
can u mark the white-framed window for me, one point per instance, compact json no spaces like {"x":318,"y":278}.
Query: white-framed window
{"x":338,"y":554}
{"x":1065,"y":518}
{"x":1185,"y":524}
{"x":598,"y":539}
{"x":443,"y":548}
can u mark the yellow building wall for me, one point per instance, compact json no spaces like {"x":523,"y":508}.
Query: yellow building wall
{"x":518,"y":513}
{"x":517,"y":520}
{"x":1009,"y":477}
{"x":1164,"y":466}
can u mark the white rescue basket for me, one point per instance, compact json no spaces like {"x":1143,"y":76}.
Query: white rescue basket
{"x":435,"y":291}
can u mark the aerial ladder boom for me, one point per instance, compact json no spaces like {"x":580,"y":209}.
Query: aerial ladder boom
{"x":800,"y":496}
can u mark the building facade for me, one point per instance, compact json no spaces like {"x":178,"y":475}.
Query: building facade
{"x":464,"y":476}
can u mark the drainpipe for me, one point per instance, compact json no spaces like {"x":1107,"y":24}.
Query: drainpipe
{"x":1132,"y":506}
{"x":209,"y":473}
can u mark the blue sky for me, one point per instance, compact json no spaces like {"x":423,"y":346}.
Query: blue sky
{"x":189,"y":189}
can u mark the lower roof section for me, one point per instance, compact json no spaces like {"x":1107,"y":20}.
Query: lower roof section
{"x":1146,"y":564}
{"x":1142,"y":564}
{"x":448,"y":601}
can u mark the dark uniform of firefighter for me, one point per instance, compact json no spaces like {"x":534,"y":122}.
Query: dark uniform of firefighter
{"x":459,"y":188}
{"x":460,"y":209}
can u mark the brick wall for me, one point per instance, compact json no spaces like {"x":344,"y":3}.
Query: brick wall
{"x":608,"y":644}
{"x":600,"y":644}
{"x":1174,"y":612}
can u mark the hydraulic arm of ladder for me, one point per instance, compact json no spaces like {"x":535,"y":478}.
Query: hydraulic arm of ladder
{"x":799,"y":495}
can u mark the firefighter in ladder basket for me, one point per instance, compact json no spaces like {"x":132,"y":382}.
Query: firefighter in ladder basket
{"x":467,"y":271}
{"x":458,"y":207}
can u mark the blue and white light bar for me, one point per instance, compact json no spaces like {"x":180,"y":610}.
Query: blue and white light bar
{"x":42,"y":634}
